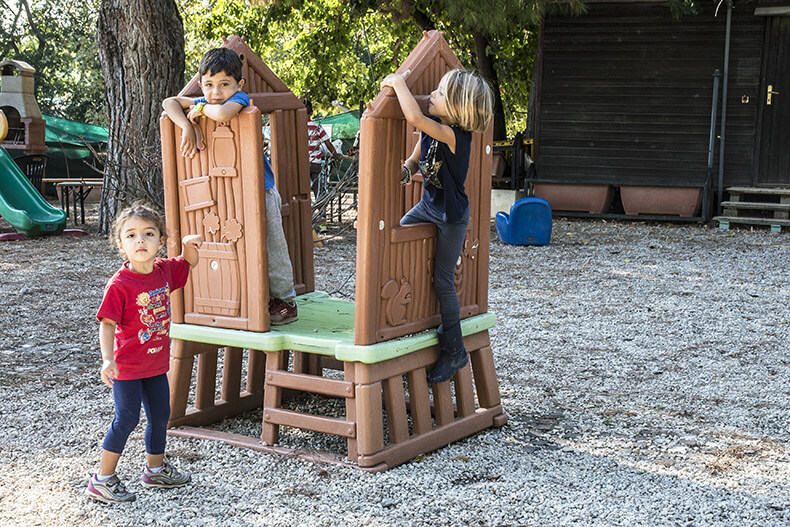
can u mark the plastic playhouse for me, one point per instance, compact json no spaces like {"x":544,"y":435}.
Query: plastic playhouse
{"x":21,"y":203}
{"x":370,"y":354}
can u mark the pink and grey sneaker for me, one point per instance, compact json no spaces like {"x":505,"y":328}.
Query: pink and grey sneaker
{"x":167,"y":478}
{"x":108,"y":491}
{"x":281,"y":312}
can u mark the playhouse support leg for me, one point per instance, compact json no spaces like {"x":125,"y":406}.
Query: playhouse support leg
{"x":442,"y":403}
{"x":464,"y":392}
{"x":370,"y":423}
{"x":256,"y":369}
{"x":395,"y":404}
{"x":419,"y":402}
{"x":485,"y":377}
{"x":272,"y":398}
{"x":351,"y":412}
{"x":231,"y":375}
{"x":206,"y":384}
{"x":179,"y":377}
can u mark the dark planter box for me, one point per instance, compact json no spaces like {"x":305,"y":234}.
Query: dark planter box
{"x":680,"y":201}
{"x":585,"y":198}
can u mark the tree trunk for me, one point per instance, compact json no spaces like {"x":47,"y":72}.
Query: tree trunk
{"x":485,"y":67}
{"x":141,"y":49}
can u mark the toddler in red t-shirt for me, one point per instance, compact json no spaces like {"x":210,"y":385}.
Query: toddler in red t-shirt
{"x":135,"y":347}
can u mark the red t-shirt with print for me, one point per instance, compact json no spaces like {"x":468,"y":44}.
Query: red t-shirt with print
{"x":140,"y":304}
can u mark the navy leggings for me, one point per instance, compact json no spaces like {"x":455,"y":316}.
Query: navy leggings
{"x":448,"y":247}
{"x":154,"y":394}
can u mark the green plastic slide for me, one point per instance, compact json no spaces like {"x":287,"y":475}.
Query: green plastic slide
{"x":21,"y":204}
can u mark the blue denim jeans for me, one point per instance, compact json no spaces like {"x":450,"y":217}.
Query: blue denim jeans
{"x":449,"y":244}
{"x":154,"y":394}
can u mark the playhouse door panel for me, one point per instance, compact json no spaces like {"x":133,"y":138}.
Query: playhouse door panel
{"x":774,"y":166}
{"x":217,"y":283}
{"x":219,"y":195}
{"x":407,"y":297}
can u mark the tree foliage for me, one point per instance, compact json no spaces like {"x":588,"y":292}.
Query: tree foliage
{"x":57,"y":38}
{"x":496,"y":38}
{"x":328,"y":50}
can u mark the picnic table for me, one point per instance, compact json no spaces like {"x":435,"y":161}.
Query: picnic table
{"x":74,"y":190}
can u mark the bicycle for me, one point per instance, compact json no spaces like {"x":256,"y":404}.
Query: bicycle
{"x":331,"y":187}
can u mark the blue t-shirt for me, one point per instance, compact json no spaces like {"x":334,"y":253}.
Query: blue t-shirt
{"x":244,"y":99}
{"x":444,"y":173}
{"x":239,"y":97}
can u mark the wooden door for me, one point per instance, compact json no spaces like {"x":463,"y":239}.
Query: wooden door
{"x":774,"y":142}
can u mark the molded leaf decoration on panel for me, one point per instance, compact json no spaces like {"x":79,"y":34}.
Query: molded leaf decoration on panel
{"x":231,"y":230}
{"x":211,"y":222}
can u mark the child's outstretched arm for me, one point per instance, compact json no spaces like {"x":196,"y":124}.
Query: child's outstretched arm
{"x":411,"y":110}
{"x":174,"y":108}
{"x":191,"y":245}
{"x":218,"y":112}
{"x":109,"y":370}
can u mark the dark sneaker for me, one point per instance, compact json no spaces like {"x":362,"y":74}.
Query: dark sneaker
{"x":167,"y":478}
{"x":281,"y":312}
{"x":109,"y":491}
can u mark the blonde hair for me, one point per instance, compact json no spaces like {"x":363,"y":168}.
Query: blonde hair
{"x":469,"y":100}
{"x":138,"y":209}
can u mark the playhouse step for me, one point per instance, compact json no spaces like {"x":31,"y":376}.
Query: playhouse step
{"x":775,"y":223}
{"x":310,"y":383}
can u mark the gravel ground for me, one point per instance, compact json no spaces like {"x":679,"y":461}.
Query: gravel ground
{"x":645,"y":369}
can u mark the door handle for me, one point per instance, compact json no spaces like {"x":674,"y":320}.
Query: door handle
{"x":770,"y":93}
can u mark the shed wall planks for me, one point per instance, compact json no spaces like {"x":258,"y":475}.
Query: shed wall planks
{"x":626,"y":94}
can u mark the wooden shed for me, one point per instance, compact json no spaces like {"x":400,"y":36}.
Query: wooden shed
{"x":624,"y":104}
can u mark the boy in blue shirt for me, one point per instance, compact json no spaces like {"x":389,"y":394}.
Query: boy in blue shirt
{"x":221,"y":83}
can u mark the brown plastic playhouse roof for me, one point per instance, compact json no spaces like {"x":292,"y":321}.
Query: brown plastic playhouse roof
{"x":431,"y":53}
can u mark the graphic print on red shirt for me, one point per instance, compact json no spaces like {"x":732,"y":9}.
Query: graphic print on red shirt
{"x":140,"y":304}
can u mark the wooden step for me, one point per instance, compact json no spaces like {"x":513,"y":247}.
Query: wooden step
{"x":775,"y":223}
{"x":755,"y":205}
{"x":759,"y":190}
{"x":756,"y":209}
